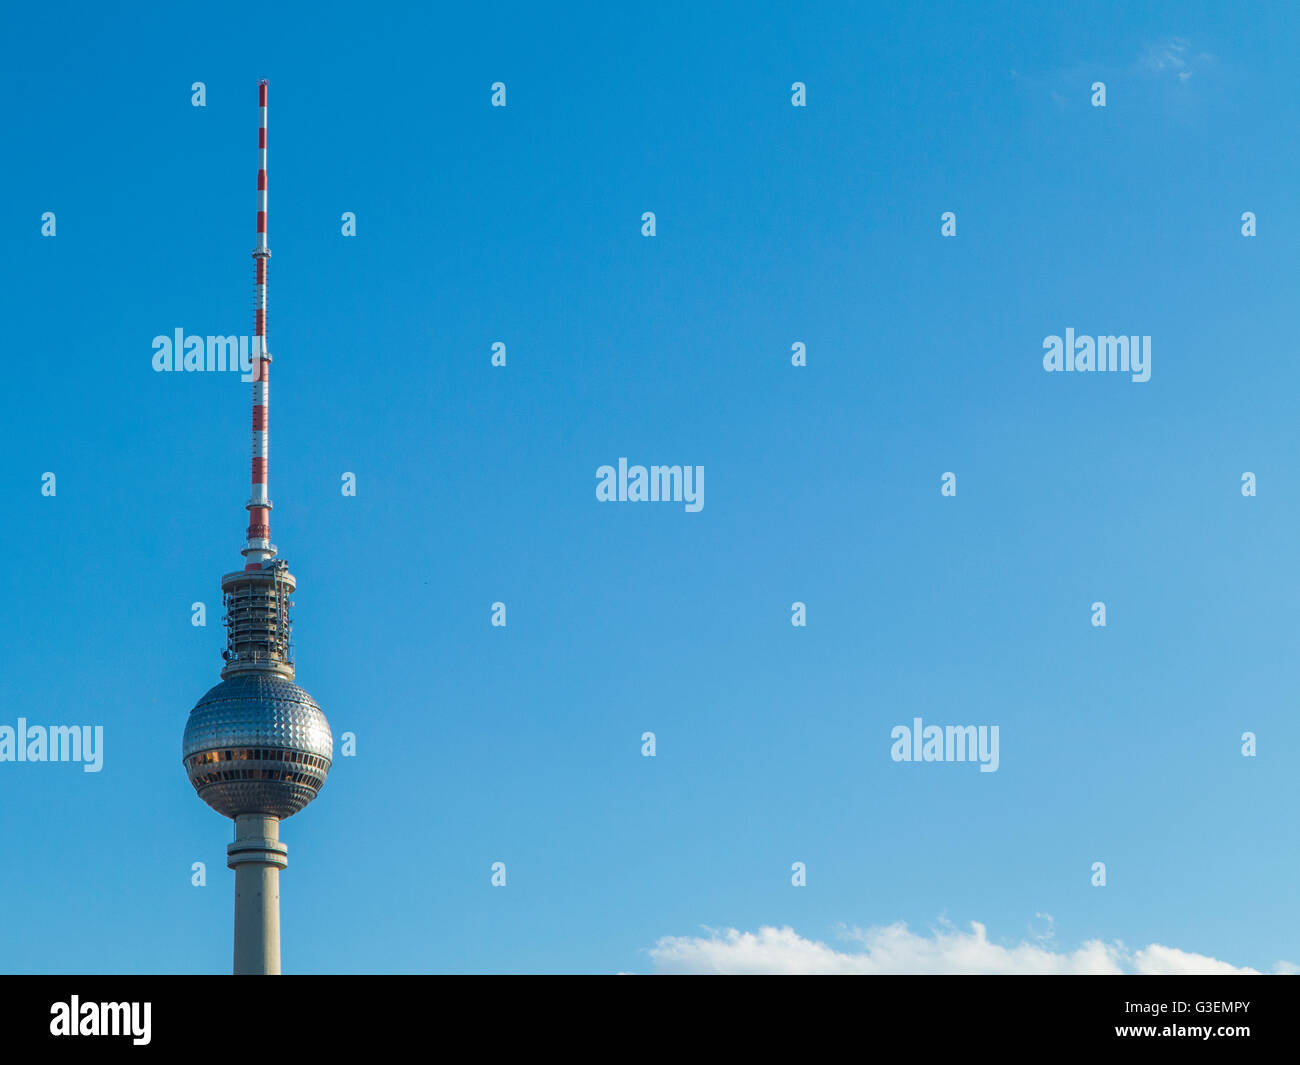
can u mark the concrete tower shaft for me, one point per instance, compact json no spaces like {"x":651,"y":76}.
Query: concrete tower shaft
{"x":257,"y":856}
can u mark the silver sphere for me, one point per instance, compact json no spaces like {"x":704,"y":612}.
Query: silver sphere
{"x":257,"y":744}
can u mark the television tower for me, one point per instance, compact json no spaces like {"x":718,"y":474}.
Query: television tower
{"x":257,"y":748}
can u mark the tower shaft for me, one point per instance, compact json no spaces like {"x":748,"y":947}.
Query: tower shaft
{"x":257,"y":856}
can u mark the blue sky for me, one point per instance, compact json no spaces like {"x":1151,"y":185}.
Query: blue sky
{"x":475,"y":484}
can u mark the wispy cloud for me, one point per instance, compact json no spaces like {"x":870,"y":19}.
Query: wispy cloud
{"x":895,"y":949}
{"x":1174,"y":56}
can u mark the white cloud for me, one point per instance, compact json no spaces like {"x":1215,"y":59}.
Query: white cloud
{"x":1043,"y":929}
{"x":1174,"y":55}
{"x":1169,"y":961}
{"x":1167,"y":55}
{"x":895,"y":949}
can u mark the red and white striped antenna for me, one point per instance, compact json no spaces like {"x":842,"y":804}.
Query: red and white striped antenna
{"x":259,"y":547}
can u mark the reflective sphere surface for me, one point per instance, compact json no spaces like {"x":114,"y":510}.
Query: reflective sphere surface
{"x":257,"y":743}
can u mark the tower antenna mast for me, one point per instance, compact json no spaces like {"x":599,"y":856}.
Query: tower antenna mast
{"x":259,"y":547}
